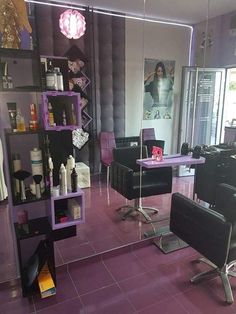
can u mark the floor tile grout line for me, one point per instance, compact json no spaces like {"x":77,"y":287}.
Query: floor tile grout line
{"x":34,"y":305}
{"x":78,"y":295}
{"x":59,"y":253}
{"x":176,"y":299}
{"x":56,"y":304}
{"x":117,"y":283}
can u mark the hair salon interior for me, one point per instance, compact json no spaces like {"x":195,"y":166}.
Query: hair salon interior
{"x":117,"y":156}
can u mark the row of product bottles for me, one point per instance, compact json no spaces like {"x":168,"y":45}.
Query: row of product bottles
{"x":68,"y":181}
{"x":17,"y":120}
{"x":37,"y":186}
{"x":63,"y":117}
{"x":68,"y":178}
{"x":54,"y":78}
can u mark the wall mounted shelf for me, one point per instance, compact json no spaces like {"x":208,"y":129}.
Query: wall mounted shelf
{"x":66,"y":111}
{"x":60,"y":215}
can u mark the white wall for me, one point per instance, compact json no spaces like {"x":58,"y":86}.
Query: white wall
{"x":154,"y":41}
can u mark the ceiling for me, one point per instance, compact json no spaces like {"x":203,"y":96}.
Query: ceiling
{"x":183,"y":11}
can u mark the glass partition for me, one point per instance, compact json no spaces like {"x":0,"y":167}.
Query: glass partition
{"x":134,"y":67}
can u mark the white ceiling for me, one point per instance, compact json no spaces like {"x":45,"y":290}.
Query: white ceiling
{"x":184,"y":11}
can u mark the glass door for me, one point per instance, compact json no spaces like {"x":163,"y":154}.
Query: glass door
{"x":201,"y":105}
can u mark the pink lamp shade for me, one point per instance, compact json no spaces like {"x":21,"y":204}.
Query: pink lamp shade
{"x":72,"y":24}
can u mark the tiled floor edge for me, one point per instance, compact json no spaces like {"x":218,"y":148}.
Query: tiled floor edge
{"x":111,"y":253}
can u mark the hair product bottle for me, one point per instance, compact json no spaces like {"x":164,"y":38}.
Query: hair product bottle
{"x":60,"y":85}
{"x":33,"y":124}
{"x":64,"y":122}
{"x":63,"y":180}
{"x":70,"y":164}
{"x":50,"y":167}
{"x":11,"y":106}
{"x":37,"y":164}
{"x":50,"y":115}
{"x":20,"y":122}
{"x":51,"y":77}
{"x":74,"y":180}
{"x":16,"y":166}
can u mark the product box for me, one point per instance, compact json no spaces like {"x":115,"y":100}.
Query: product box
{"x":45,"y":282}
{"x":74,"y":209}
{"x":83,"y":172}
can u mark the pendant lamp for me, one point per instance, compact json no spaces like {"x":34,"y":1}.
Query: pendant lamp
{"x":72,"y":24}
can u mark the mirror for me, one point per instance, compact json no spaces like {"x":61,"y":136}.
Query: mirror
{"x":145,"y":44}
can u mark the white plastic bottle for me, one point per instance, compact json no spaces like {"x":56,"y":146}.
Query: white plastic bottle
{"x":63,"y":180}
{"x":70,"y":164}
{"x":37,"y":164}
{"x":50,"y":166}
{"x":60,"y":85}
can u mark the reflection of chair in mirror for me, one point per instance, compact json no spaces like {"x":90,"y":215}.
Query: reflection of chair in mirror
{"x":148,"y":134}
{"x":151,"y":143}
{"x":125,"y":179}
{"x":107,"y":143}
{"x":210,"y":232}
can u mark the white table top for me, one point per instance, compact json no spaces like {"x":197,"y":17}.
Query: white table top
{"x":170,"y":161}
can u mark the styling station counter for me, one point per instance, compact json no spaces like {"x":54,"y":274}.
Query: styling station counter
{"x":166,"y":241}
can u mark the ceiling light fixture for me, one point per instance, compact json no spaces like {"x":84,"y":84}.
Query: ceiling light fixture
{"x":72,"y":24}
{"x":127,"y":16}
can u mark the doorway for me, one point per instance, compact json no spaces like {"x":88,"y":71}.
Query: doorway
{"x":229,"y":112}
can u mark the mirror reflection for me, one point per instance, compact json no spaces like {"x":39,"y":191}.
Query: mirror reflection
{"x":142,"y":82}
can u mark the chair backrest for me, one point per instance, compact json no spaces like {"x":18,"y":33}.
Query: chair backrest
{"x":151,"y":143}
{"x":148,"y":134}
{"x":107,"y":143}
{"x":127,"y":156}
{"x":225,"y":203}
{"x":205,"y":230}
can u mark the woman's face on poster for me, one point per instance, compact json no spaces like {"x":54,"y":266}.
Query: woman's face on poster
{"x":75,"y":66}
{"x":159,"y":72}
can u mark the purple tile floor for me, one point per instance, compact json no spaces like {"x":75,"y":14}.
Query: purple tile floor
{"x":103,"y":228}
{"x":134,"y":280}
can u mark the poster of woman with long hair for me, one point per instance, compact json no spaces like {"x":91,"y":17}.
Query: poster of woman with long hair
{"x":158,"y":89}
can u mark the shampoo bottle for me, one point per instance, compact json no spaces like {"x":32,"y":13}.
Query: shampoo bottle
{"x":63,"y":180}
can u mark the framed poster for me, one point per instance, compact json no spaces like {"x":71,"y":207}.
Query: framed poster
{"x":158,"y":89}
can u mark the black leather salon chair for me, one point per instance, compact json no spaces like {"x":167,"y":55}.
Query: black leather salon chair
{"x":211,"y":232}
{"x":125,"y":178}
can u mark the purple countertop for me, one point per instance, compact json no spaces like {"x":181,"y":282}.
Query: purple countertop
{"x":170,"y":161}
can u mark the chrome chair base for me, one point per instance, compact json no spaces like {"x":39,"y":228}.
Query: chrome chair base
{"x":139,"y":209}
{"x":224,"y":272}
{"x":168,"y":242}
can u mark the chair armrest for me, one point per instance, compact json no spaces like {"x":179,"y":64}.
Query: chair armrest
{"x":121,"y":179}
{"x":203,"y":229}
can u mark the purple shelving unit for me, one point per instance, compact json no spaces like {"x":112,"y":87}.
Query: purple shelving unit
{"x":61,"y":101}
{"x":61,"y":203}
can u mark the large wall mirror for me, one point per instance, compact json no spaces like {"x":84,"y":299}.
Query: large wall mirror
{"x":124,"y":55}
